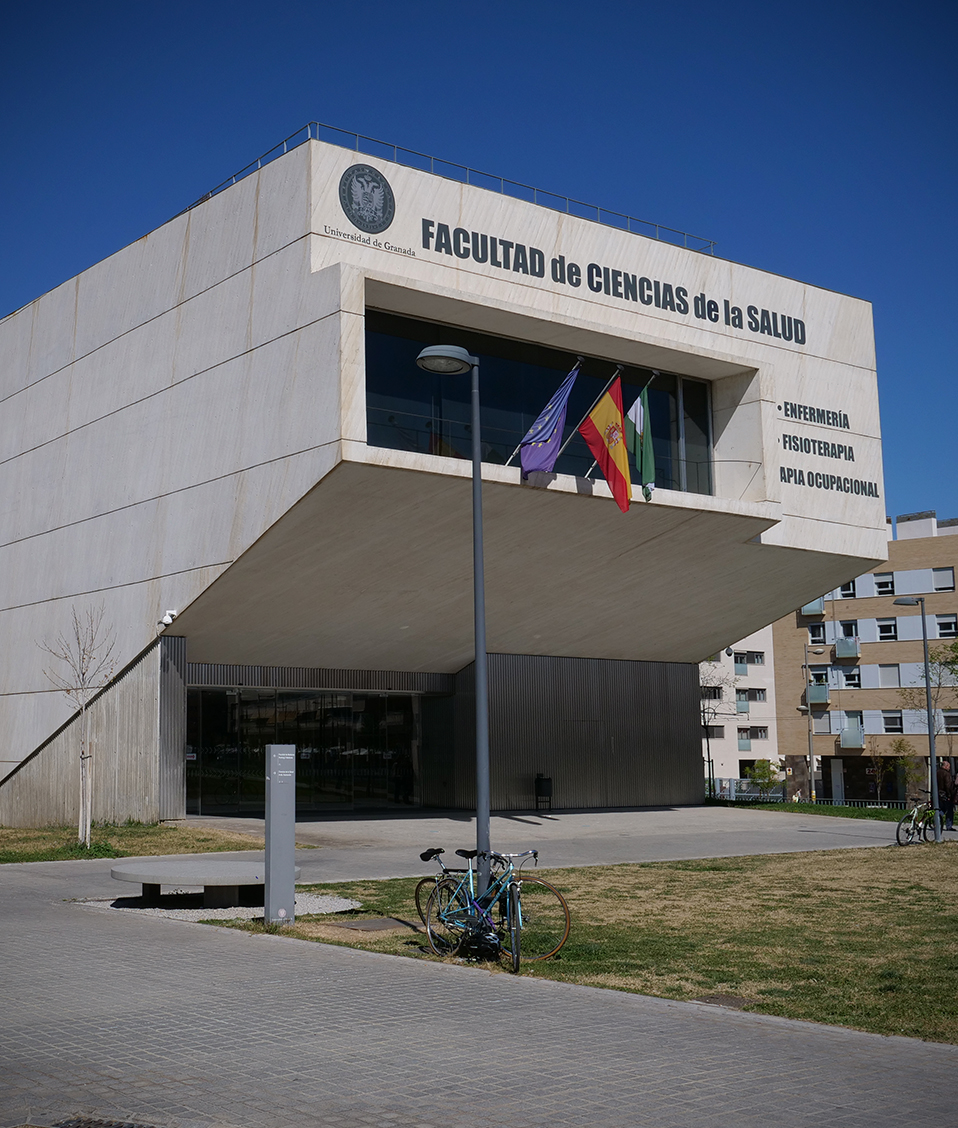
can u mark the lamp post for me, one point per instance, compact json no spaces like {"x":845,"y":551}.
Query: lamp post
{"x":451,"y":360}
{"x":811,"y":732}
{"x":919,"y":601}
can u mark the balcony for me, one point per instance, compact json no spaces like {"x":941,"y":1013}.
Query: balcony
{"x":744,"y":744}
{"x":848,"y":648}
{"x":852,"y":737}
{"x":816,"y":607}
{"x":741,"y":706}
{"x":817,"y":695}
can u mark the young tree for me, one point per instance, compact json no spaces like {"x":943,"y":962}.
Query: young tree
{"x":717,"y":686}
{"x":85,"y":654}
{"x":882,"y":766}
{"x":943,"y":668}
{"x":766,"y":776}
{"x":914,"y":771}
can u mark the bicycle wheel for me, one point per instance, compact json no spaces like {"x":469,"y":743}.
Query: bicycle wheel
{"x":544,"y":919}
{"x":448,"y":918}
{"x":424,"y":890}
{"x":908,"y":831}
{"x":928,"y":827}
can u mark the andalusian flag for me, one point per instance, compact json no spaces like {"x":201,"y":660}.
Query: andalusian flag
{"x":604,"y":431}
{"x":638,"y":438}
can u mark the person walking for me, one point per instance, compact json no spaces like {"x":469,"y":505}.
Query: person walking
{"x":946,"y":792}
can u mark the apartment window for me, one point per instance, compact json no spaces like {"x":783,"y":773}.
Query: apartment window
{"x":758,"y":732}
{"x":852,"y":678}
{"x":853,"y":719}
{"x":711,"y":692}
{"x":741,"y":663}
{"x":816,"y":634}
{"x":757,"y":695}
{"x":847,"y":591}
{"x":715,"y":732}
{"x":947,"y":626}
{"x":756,"y":657}
{"x":889,"y":677}
{"x":849,"y":628}
{"x":887,"y":630}
{"x":950,"y":719}
{"x":884,"y":583}
{"x":891,"y":720}
{"x":943,"y":579}
{"x":821,"y":723}
{"x":818,"y":675}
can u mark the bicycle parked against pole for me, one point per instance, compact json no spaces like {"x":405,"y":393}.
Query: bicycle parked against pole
{"x":918,"y":824}
{"x":523,"y":917}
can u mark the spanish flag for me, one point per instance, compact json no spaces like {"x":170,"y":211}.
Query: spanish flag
{"x":604,"y":431}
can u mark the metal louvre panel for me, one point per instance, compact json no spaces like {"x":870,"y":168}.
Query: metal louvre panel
{"x":172,"y":735}
{"x":610,"y":734}
{"x":292,"y":677}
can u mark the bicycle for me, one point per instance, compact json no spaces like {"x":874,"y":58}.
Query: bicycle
{"x":524,"y":917}
{"x":917,"y":824}
{"x":427,"y":886}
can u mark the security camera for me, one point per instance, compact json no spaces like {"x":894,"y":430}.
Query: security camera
{"x":168,"y":617}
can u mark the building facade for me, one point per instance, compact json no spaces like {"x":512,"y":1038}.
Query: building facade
{"x":739,"y":718}
{"x":219,"y":436}
{"x":865,"y":669}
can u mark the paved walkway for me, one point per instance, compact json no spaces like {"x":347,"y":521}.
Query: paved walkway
{"x":390,"y":847}
{"x":166,"y":1023}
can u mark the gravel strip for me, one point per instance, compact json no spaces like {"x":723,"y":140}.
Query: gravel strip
{"x":307,"y":904}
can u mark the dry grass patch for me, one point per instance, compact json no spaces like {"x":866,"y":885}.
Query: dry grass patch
{"x":862,"y":938}
{"x":59,"y":843}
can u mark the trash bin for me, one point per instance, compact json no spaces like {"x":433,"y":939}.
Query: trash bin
{"x":543,"y":790}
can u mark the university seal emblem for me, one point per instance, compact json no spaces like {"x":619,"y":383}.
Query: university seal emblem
{"x":367,"y":199}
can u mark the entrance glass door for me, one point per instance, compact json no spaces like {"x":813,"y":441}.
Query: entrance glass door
{"x":353,"y":749}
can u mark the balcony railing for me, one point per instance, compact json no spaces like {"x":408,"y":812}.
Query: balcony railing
{"x":817,"y":695}
{"x":852,"y":737}
{"x":848,"y":648}
{"x":450,"y":170}
{"x":816,"y":607}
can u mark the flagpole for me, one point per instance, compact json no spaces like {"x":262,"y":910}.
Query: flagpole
{"x":579,"y":361}
{"x":618,"y":369}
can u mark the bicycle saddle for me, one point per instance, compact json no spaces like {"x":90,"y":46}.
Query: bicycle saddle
{"x":467,"y":853}
{"x":428,"y":855}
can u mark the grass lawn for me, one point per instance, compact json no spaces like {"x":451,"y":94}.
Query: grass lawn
{"x":881,"y":813}
{"x":862,"y":938}
{"x":59,"y":843}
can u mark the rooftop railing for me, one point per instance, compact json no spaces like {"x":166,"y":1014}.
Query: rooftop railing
{"x":370,"y":147}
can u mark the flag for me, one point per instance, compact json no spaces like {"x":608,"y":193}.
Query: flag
{"x":604,"y":431}
{"x":540,"y":447}
{"x":638,"y":438}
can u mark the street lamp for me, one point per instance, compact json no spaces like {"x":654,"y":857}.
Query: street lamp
{"x":916,"y":601}
{"x":808,"y":710}
{"x":451,"y":360}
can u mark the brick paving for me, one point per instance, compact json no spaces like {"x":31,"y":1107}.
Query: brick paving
{"x":177,"y":1025}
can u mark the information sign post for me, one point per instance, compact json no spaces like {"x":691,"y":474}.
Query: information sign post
{"x":280,"y":892}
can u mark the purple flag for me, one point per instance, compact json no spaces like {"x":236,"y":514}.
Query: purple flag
{"x":540,"y":447}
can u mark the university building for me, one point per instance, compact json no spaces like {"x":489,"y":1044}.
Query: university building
{"x":862,"y":649}
{"x":219,"y":435}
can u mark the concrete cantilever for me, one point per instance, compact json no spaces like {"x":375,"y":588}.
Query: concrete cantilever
{"x":224,"y":883}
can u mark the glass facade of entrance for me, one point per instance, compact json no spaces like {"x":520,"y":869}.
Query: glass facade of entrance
{"x":353,"y":749}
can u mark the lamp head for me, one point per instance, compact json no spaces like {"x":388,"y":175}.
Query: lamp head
{"x":446,"y":360}
{"x":907,"y":601}
{"x":818,"y":650}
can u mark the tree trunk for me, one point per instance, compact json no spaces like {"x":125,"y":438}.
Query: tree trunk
{"x":84,"y":826}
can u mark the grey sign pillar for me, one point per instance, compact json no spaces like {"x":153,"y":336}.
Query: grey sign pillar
{"x":280,"y":899}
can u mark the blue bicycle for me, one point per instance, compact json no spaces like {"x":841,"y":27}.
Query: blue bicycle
{"x":524,"y":918}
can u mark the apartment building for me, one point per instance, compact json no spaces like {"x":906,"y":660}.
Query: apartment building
{"x":843,"y":660}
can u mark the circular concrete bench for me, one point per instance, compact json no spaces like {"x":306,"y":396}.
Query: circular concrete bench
{"x":225,"y":884}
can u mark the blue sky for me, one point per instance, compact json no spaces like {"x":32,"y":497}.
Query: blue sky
{"x":815,"y":140}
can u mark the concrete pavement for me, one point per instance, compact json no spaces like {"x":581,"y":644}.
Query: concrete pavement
{"x":166,"y":1023}
{"x":349,"y":848}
